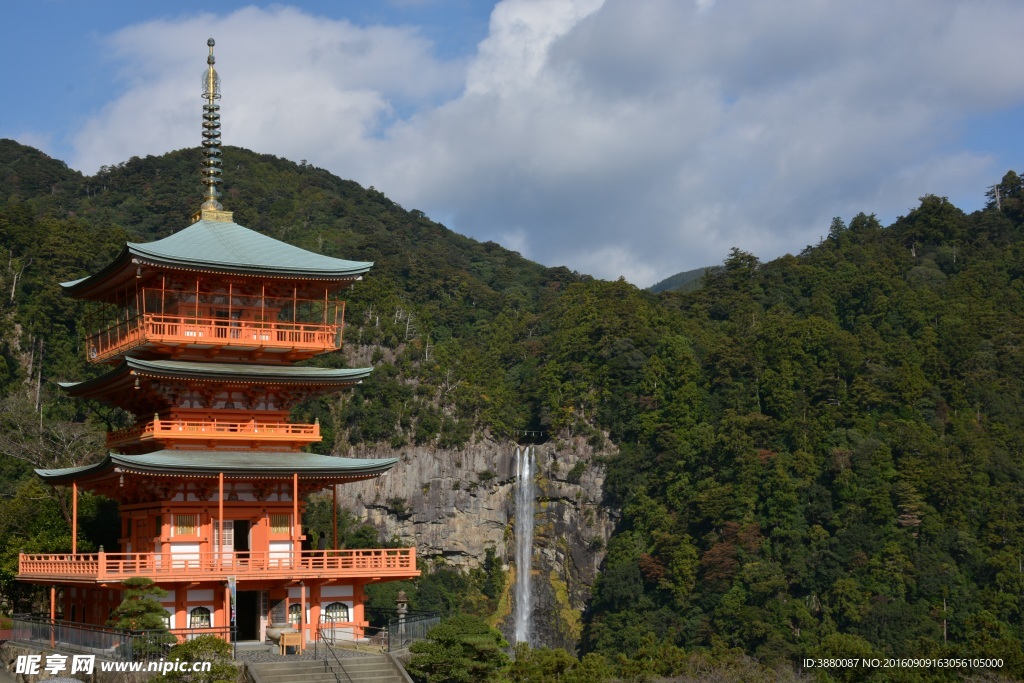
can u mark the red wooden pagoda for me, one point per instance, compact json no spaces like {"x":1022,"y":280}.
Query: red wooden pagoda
{"x":201,"y":331}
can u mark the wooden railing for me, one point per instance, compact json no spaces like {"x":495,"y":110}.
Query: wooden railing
{"x":210,"y":332}
{"x":365,"y":563}
{"x":170,"y":430}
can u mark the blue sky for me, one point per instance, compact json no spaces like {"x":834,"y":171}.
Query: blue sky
{"x":71,"y":74}
{"x":618,"y":137}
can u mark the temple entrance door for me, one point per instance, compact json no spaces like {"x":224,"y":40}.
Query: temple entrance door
{"x":247,"y":615}
{"x":241,"y":535}
{"x":240,"y":541}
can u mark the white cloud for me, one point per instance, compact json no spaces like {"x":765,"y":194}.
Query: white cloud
{"x":617,"y":137}
{"x":295,"y":85}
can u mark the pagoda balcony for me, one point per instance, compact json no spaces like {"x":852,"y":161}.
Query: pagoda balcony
{"x":178,"y":334}
{"x":206,"y":431}
{"x":84,"y":568}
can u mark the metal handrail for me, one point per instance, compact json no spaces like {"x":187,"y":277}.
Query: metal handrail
{"x":320,"y":638}
{"x":411,"y":629}
{"x":377,"y":633}
{"x":112,"y":643}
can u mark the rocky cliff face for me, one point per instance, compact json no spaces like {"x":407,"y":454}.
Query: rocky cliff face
{"x":455,"y":504}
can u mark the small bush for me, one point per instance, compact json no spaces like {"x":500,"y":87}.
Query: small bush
{"x":575,"y":475}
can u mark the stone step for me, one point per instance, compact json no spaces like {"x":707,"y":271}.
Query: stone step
{"x":322,"y":676}
{"x":285,"y":667}
{"x":357,"y":671}
{"x":360,"y":663}
{"x":306,"y":675}
{"x":368,"y":676}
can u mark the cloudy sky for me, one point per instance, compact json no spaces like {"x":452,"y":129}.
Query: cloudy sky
{"x":633,"y":138}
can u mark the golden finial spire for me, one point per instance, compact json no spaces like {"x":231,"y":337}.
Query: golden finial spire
{"x":211,"y":208}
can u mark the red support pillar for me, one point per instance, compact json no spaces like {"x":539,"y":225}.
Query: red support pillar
{"x":220,"y":517}
{"x":74,"y":518}
{"x":227,"y":611}
{"x":357,"y":609}
{"x":181,"y":615}
{"x":334,"y":513}
{"x":303,"y":627}
{"x":53,"y":613}
{"x":296,"y":525}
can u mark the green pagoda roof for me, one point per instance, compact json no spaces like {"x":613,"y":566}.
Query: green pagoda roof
{"x":231,"y":463}
{"x":119,"y":386}
{"x":232,"y":372}
{"x":224,"y":247}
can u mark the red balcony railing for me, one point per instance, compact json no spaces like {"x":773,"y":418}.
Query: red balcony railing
{"x":206,"y":333}
{"x":215,"y":430}
{"x":307,"y":564}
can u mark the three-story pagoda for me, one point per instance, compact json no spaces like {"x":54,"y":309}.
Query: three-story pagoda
{"x":201,"y":333}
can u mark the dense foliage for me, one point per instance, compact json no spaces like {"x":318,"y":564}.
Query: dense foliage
{"x":203,"y":648}
{"x":832,"y":461}
{"x":462,"y":649}
{"x":817,"y":456}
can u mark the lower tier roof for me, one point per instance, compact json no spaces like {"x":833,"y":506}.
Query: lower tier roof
{"x":233,"y":464}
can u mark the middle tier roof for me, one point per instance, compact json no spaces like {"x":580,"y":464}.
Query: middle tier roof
{"x":142,"y":386}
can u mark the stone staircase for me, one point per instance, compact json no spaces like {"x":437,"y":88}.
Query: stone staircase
{"x":375,"y":669}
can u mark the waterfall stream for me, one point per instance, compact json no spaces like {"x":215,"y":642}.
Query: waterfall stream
{"x":524,"y":542}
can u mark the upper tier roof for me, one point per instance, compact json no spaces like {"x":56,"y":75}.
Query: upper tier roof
{"x":231,"y":463}
{"x":221,"y":247}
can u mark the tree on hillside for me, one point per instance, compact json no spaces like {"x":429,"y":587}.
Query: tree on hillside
{"x":1008,"y":195}
{"x":461,"y":649}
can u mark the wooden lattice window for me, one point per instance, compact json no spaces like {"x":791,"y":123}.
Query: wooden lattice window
{"x":295,"y":615}
{"x":280,"y":523}
{"x":336,"y":611}
{"x":199,"y":617}
{"x":186,"y":525}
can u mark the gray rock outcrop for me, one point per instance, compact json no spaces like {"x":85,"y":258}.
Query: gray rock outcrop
{"x":453,"y":505}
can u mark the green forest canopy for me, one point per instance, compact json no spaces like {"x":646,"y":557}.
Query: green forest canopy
{"x":820,"y":455}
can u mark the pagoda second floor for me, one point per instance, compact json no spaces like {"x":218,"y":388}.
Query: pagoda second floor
{"x":212,"y":319}
{"x":211,"y":406}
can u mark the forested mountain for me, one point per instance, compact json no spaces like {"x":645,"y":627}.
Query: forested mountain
{"x":818,"y":456}
{"x":686,"y":281}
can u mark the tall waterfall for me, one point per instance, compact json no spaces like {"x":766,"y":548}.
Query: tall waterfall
{"x":524,"y":542}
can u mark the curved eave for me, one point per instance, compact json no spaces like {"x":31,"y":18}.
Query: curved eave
{"x":233,"y":464}
{"x":240,"y":372}
{"x":123,"y":268}
{"x":263,"y":270}
{"x":219,"y":372}
{"x":110,"y":274}
{"x":69,"y":474}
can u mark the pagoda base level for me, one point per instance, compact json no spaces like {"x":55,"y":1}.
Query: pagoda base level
{"x":80,"y":613}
